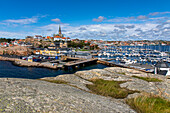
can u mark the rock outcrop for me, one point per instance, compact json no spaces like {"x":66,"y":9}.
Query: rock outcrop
{"x":21,"y":95}
{"x":24,"y":95}
{"x":16,"y":50}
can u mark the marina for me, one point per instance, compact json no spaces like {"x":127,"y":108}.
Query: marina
{"x":138,"y":57}
{"x":131,"y":54}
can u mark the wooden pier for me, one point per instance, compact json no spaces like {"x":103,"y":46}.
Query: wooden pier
{"x":81,"y":62}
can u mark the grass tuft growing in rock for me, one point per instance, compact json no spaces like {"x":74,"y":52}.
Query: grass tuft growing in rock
{"x":55,"y":81}
{"x":109,"y":88}
{"x":122,"y":73}
{"x":149,"y":104}
{"x":148,"y":79}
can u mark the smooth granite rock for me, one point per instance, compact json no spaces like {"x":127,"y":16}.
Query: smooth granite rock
{"x":27,"y":96}
{"x":72,"y":80}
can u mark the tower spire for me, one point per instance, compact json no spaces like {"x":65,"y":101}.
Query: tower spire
{"x":59,"y":29}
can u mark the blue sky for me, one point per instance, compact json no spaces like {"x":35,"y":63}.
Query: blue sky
{"x":87,"y":19}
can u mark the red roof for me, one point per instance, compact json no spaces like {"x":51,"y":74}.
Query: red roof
{"x":57,"y":37}
{"x":48,"y":37}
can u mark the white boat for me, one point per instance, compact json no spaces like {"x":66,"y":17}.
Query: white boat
{"x":99,"y":54}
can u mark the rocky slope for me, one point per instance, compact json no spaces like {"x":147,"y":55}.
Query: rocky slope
{"x":16,"y":50}
{"x":24,"y":95}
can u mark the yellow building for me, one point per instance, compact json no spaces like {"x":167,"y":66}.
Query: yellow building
{"x":51,"y":52}
{"x":30,"y":59}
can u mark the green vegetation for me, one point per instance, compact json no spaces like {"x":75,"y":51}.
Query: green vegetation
{"x":82,"y":50}
{"x":149,"y":104}
{"x":121,"y":73}
{"x":79,"y":44}
{"x":55,"y":81}
{"x":109,"y":88}
{"x":148,"y":79}
{"x":6,"y":40}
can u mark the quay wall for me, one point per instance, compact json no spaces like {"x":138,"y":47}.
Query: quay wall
{"x":24,"y":63}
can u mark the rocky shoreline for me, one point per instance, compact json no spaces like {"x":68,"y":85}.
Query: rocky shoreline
{"x":24,"y":63}
{"x":26,"y":95}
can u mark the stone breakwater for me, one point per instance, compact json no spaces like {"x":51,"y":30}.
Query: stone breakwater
{"x":26,"y":95}
{"x":20,"y":62}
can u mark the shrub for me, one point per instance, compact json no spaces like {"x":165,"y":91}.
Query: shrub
{"x":149,"y":104}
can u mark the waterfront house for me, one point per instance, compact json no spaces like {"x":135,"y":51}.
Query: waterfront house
{"x":162,"y":68}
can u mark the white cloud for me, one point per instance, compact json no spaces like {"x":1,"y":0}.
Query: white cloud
{"x":5,"y":34}
{"x":111,"y":31}
{"x":168,"y":21}
{"x":56,"y":20}
{"x":22,"y":21}
{"x":142,"y":17}
{"x":124,"y":31}
{"x":159,"y":13}
{"x":125,"y":28}
{"x":99,"y":19}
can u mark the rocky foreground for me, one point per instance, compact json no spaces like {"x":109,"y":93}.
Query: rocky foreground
{"x":25,"y":95}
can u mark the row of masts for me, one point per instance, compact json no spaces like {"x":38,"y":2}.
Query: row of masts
{"x":140,"y":54}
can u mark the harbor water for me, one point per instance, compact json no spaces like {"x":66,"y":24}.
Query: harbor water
{"x":8,"y":70}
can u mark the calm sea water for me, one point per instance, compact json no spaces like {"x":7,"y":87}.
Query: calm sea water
{"x":8,"y":70}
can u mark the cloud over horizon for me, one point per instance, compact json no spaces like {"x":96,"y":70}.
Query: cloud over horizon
{"x":151,"y":27}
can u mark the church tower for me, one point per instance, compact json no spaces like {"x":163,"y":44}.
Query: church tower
{"x":59,"y":29}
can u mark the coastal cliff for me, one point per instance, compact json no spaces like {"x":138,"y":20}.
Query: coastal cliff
{"x":73,"y":95}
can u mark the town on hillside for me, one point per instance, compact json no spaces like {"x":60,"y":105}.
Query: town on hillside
{"x":61,"y":51}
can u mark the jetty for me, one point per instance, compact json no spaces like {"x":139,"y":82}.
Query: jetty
{"x":112,"y":64}
{"x":81,"y":62}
